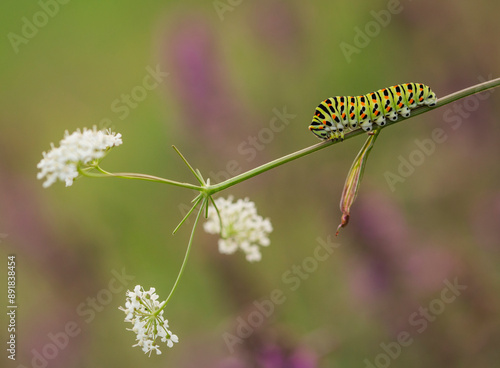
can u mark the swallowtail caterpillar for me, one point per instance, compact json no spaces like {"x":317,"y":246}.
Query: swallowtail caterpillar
{"x":337,"y":115}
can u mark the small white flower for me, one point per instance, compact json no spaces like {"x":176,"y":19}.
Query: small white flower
{"x":243,"y":228}
{"x":143,"y":311}
{"x":78,"y":148}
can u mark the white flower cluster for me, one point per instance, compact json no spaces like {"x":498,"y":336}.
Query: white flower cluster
{"x":143,"y":311}
{"x":74,"y":149}
{"x":243,"y":228}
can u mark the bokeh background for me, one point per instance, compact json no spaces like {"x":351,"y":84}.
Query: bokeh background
{"x":231,"y":65}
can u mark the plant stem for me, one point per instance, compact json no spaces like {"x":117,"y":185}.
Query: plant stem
{"x":197,"y":200}
{"x":140,"y":177}
{"x":196,"y":174}
{"x":186,"y":256}
{"x":293,"y":156}
{"x":208,"y":190}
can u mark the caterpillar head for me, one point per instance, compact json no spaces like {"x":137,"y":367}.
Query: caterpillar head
{"x":322,"y":125}
{"x":320,"y":130}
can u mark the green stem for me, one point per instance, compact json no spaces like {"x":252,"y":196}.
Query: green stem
{"x":306,"y":151}
{"x":195,"y":173}
{"x":208,"y":190}
{"x":186,"y":256}
{"x":139,"y":177}
{"x":197,"y":200}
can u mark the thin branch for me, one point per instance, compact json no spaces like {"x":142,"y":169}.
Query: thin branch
{"x":186,"y":255}
{"x":306,"y":151}
{"x":140,"y":177}
{"x":196,"y":172}
{"x":197,"y":200}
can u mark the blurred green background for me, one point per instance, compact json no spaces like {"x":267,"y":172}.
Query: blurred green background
{"x":230,"y":64}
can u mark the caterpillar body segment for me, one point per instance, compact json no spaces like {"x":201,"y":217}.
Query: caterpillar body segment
{"x":337,"y":115}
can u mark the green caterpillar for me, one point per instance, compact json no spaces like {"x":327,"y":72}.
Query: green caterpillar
{"x":337,"y":115}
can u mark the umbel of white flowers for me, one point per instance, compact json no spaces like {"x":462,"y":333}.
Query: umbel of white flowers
{"x":76,"y":149}
{"x":143,"y":311}
{"x":242,"y":227}
{"x":239,"y":226}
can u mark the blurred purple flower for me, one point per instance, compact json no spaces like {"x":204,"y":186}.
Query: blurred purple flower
{"x":392,"y":257}
{"x":209,"y":108}
{"x":277,"y":24}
